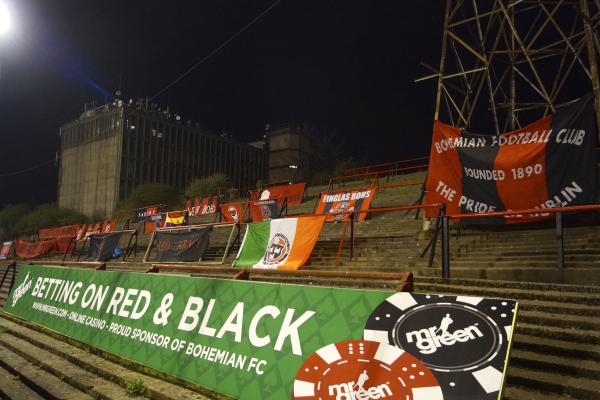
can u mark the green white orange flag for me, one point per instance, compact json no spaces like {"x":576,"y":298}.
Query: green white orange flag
{"x":280,"y":243}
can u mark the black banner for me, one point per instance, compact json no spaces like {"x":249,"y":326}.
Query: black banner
{"x":182,"y":246}
{"x":548,"y":164}
{"x":102,"y":246}
{"x":264,"y":210}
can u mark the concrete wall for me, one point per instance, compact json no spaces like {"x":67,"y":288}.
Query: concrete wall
{"x":88,"y":179}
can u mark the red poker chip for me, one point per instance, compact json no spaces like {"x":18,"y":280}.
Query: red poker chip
{"x":362,"y":370}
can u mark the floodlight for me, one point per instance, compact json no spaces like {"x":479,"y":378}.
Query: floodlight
{"x":5,"y":21}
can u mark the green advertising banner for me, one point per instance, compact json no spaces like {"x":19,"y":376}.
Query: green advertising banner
{"x":243,"y":339}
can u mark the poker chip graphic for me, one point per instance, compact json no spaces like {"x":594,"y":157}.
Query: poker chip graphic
{"x":361,"y":369}
{"x":463,"y":340}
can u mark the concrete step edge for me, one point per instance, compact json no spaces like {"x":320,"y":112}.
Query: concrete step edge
{"x":62,"y":374}
{"x":120,"y":367}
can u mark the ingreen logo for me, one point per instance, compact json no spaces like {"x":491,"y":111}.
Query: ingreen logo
{"x":21,"y":289}
{"x":352,"y":391}
{"x":429,"y":340}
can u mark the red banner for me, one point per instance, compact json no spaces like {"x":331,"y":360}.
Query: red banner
{"x":153,"y":222}
{"x":293,"y":193}
{"x":233,"y":212}
{"x":56,"y":232}
{"x":207,"y":205}
{"x":25,"y":249}
{"x":547,"y":164}
{"x":341,"y":204}
{"x":61,"y":244}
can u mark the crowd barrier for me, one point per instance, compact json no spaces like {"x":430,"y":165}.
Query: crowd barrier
{"x":386,"y":165}
{"x":12,"y":266}
{"x":373,"y":178}
{"x":131,"y":247}
{"x":429,"y":247}
{"x":232,"y":237}
{"x":405,"y":279}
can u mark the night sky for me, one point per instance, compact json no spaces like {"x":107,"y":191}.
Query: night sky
{"x":344,"y":66}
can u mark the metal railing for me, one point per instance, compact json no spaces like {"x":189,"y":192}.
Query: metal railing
{"x":13,"y":266}
{"x":430,"y":246}
{"x":535,"y":213}
{"x":372,"y":178}
{"x":386,"y":165}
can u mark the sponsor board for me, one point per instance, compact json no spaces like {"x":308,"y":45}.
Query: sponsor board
{"x":253,"y":340}
{"x":243,"y":339}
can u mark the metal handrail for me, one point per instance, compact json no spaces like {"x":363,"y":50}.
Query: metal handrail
{"x":406,"y":278}
{"x":535,"y":212}
{"x":367,"y":167}
{"x":351,"y":220}
{"x":375,"y":175}
{"x":528,"y":211}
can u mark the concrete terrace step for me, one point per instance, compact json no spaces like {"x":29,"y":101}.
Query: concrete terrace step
{"x":569,"y":334}
{"x":79,"y":378}
{"x":483,"y":283}
{"x":557,"y":347}
{"x":538,"y":257}
{"x":585,"y":322}
{"x":44,"y":383}
{"x":49,"y":344}
{"x":457,"y":265}
{"x":544,"y":362}
{"x":555,"y":382}
{"x":520,"y":294}
{"x":521,"y":393}
{"x":522,"y":245}
{"x":11,"y":387}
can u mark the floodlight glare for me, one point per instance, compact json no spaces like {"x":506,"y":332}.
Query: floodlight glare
{"x":5,"y":22}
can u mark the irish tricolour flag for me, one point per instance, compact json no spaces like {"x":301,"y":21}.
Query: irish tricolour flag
{"x":280,"y":243}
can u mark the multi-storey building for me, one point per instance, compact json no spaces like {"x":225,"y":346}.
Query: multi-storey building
{"x":110,"y":150}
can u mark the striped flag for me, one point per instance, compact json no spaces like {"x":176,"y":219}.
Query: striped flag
{"x":176,"y":218}
{"x":279,"y":244}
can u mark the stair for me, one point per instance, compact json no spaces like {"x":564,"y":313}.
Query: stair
{"x":37,"y":363}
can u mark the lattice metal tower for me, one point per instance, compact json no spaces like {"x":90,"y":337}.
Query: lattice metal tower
{"x":505,"y":63}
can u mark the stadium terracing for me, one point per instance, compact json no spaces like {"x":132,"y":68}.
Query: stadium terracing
{"x":549,"y":264}
{"x":473,"y":273}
